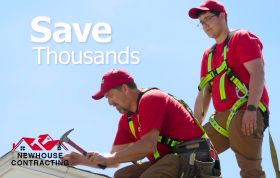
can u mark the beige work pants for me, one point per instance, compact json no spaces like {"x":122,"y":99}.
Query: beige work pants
{"x":166,"y":167}
{"x":247,"y":149}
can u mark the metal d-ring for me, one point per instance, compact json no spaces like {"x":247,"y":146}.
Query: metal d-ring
{"x":237,"y":91}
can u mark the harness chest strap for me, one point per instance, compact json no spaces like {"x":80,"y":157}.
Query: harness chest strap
{"x":170,"y":142}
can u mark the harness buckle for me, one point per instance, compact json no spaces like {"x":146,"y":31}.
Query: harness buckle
{"x":169,"y":142}
{"x":230,"y":75}
{"x":214,"y":73}
{"x":164,"y":140}
{"x":237,"y":91}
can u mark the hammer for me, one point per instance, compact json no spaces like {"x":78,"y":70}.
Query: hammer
{"x":64,"y":138}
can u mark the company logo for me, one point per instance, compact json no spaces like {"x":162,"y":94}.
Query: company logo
{"x":102,"y":81}
{"x":41,"y":143}
{"x":31,"y":148}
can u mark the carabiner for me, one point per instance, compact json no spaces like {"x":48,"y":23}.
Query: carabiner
{"x":237,"y":91}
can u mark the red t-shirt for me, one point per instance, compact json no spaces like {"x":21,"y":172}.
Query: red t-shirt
{"x":243,"y":46}
{"x":158,"y":110}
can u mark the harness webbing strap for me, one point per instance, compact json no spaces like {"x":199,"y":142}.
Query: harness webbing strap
{"x":222,"y":88}
{"x":168,"y":141}
{"x":217,"y":127}
{"x":202,"y":101}
{"x":274,"y":156}
{"x":211,"y":52}
{"x":208,"y":78}
{"x":237,"y":83}
{"x":130,"y":123}
{"x":191,"y":113}
{"x":156,"y":155}
{"x":209,"y":61}
{"x":262,"y":107}
{"x":235,"y":108}
{"x":225,"y":47}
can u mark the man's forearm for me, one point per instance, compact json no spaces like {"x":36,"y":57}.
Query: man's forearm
{"x":198,"y":104}
{"x":85,"y":162}
{"x":137,"y":151}
{"x":255,"y":88}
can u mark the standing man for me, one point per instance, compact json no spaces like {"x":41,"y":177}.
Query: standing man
{"x":152,"y":122}
{"x":232,"y":71}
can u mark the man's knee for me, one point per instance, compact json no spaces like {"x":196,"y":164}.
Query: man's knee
{"x":166,"y":167}
{"x":132,"y":171}
{"x":120,"y":174}
{"x":220,"y":142}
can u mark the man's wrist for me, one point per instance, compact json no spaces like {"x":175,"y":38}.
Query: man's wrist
{"x":111,"y":159}
{"x":251,"y":108}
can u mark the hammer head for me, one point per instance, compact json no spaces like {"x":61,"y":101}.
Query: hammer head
{"x":64,"y":137}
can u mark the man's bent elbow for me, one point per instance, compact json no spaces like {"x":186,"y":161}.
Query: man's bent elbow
{"x":150,"y":146}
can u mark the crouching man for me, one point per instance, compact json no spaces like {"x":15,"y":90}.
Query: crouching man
{"x":153,"y":124}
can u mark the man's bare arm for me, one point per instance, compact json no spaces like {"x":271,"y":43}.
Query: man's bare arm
{"x":198,"y":103}
{"x":75,"y":158}
{"x":115,"y":148}
{"x":142,"y":148}
{"x":256,"y":85}
{"x":256,"y":71}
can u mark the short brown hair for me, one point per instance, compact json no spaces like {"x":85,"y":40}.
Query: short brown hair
{"x":131,"y":85}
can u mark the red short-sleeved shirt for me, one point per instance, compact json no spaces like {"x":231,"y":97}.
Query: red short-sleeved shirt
{"x":159,"y":110}
{"x":242,"y":47}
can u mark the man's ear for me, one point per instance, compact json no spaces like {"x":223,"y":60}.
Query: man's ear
{"x":222,"y":17}
{"x":124,"y":88}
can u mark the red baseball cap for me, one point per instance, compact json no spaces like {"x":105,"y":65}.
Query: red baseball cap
{"x":112,"y":78}
{"x":207,"y":6}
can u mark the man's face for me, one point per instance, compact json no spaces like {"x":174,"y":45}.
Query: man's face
{"x":211,"y":24}
{"x":117,"y":99}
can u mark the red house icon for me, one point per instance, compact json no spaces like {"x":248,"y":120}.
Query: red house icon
{"x":41,"y":143}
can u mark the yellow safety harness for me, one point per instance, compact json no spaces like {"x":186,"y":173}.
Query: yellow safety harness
{"x":170,"y":142}
{"x":224,"y":70}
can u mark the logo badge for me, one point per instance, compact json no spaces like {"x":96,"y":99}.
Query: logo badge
{"x":41,"y":143}
{"x":43,"y":147}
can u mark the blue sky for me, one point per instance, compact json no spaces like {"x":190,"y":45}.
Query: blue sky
{"x":51,"y":99}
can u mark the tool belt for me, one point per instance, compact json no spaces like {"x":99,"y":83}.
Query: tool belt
{"x":196,"y":160}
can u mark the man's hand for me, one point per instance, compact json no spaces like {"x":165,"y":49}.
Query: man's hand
{"x":249,"y":122}
{"x":74,"y":158}
{"x":96,"y":158}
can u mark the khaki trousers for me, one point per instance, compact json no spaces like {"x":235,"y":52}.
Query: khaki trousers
{"x":166,"y":167}
{"x":247,"y":149}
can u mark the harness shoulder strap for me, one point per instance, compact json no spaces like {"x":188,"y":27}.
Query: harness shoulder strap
{"x":141,"y":94}
{"x":129,"y":113}
{"x":210,"y":54}
{"x":212,"y":50}
{"x":130,"y":124}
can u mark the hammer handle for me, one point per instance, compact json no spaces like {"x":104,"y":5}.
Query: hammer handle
{"x":76,"y":146}
{"x":100,"y":165}
{"x":83,"y":152}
